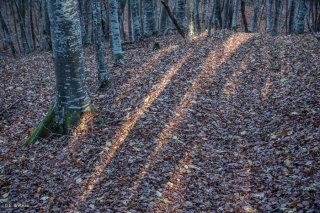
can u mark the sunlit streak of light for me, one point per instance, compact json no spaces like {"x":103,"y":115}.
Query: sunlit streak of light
{"x":129,"y":124}
{"x":209,"y":69}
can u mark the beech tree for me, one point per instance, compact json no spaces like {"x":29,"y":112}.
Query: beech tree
{"x":254,"y":17}
{"x":300,"y":17}
{"x":28,"y":26}
{"x":98,"y":44}
{"x":136,"y":19}
{"x":149,"y":22}
{"x":163,"y":18}
{"x":115,"y":29}
{"x":72,"y":99}
{"x":180,"y":12}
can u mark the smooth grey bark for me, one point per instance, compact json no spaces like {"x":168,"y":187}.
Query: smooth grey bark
{"x":190,"y":17}
{"x":180,"y":13}
{"x":163,"y":18}
{"x":217,"y":15}
{"x":130,"y":21}
{"x":44,"y":32}
{"x":196,"y":17}
{"x":300,"y":16}
{"x":254,"y":17}
{"x":104,"y":19}
{"x":235,"y":14}
{"x":291,"y":8}
{"x":224,"y":15}
{"x":115,"y":36}
{"x":268,"y":15}
{"x":211,"y":18}
{"x":277,"y":11}
{"x":72,"y":97}
{"x":121,"y":5}
{"x":243,"y":16}
{"x":137,"y":32}
{"x":98,"y":44}
{"x":149,"y":19}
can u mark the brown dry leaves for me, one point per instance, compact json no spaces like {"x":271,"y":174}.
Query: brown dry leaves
{"x":227,"y":123}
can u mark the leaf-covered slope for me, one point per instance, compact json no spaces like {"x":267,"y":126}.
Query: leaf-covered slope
{"x":227,"y":123}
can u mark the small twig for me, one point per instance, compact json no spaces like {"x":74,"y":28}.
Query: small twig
{"x":11,"y":105}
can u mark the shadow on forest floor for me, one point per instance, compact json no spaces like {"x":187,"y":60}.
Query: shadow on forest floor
{"x":226,"y":123}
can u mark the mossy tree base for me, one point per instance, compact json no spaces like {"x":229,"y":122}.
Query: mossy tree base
{"x":50,"y":125}
{"x":41,"y":130}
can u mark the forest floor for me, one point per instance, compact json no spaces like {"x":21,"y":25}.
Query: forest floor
{"x":229,"y":123}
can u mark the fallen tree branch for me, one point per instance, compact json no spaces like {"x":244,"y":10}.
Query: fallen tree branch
{"x":174,"y":20}
{"x":11,"y":105}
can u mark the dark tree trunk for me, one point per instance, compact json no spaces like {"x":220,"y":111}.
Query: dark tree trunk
{"x":243,"y":16}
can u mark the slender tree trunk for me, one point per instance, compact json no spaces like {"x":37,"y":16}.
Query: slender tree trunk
{"x":189,"y":14}
{"x":148,"y":12}
{"x":105,"y":22}
{"x":136,"y":19}
{"x":174,"y":21}
{"x":235,"y":14}
{"x":98,"y":44}
{"x":268,"y":15}
{"x":299,"y":19}
{"x":243,"y":16}
{"x":197,"y":25}
{"x":254,"y":17}
{"x":163,"y":18}
{"x":115,"y":30}
{"x":211,"y":18}
{"x":181,"y":10}
{"x":32,"y":33}
{"x":130,"y":21}
{"x":276,"y":17}
{"x":225,"y":14}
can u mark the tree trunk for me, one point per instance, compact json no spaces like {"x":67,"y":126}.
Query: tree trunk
{"x":136,"y":19}
{"x":275,"y":27}
{"x":21,"y":17}
{"x":130,"y":21}
{"x":72,"y":99}
{"x":87,"y":22}
{"x":224,"y":15}
{"x":235,"y":14}
{"x":190,"y":25}
{"x":299,"y":19}
{"x":148,"y":12}
{"x":254,"y":17}
{"x":211,"y":18}
{"x":268,"y":15}
{"x":174,"y":21}
{"x":197,"y":26}
{"x":243,"y":16}
{"x":163,"y":18}
{"x":7,"y":35}
{"x":115,"y":30}
{"x":181,"y":10}
{"x":98,"y":44}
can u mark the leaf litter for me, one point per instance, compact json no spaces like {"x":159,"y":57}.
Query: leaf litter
{"x":228,"y":123}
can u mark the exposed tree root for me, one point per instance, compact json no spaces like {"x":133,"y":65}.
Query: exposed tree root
{"x":41,"y":130}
